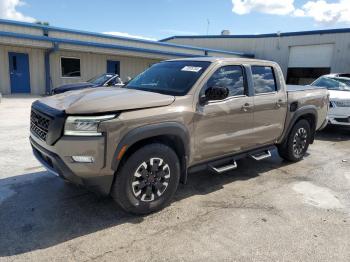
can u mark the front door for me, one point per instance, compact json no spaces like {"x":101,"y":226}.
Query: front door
{"x":19,"y":72}
{"x":113,"y":67}
{"x":224,"y":127}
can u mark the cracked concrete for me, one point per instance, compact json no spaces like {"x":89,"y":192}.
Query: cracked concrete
{"x":263,"y":211}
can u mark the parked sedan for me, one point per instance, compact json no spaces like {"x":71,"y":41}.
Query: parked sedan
{"x":339,"y":90}
{"x":98,"y":81}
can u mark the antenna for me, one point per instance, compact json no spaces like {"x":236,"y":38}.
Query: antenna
{"x":208,"y":25}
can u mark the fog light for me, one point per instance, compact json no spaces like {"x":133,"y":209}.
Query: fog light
{"x":83,"y":159}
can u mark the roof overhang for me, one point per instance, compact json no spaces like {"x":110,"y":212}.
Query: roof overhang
{"x":135,"y":47}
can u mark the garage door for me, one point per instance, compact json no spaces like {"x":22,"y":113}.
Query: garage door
{"x":311,"y":56}
{"x":306,"y":63}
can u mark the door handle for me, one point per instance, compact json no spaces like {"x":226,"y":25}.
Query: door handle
{"x":279,"y":103}
{"x":246,"y":107}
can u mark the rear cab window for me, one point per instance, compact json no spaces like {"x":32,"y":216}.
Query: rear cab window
{"x":264,"y":80}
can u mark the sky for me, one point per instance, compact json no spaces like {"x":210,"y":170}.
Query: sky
{"x":158,"y":19}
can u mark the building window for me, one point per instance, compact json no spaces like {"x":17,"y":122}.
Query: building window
{"x":263,"y":79}
{"x":70,"y":67}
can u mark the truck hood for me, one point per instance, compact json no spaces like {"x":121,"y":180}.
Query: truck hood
{"x":92,"y":101}
{"x":70,"y":87}
{"x":339,"y":95}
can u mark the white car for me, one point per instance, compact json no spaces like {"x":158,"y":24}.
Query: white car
{"x":339,"y":90}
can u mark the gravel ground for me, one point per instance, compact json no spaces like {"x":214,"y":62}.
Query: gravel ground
{"x":263,"y":211}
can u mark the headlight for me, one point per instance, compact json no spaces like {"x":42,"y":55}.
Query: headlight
{"x":84,"y":125}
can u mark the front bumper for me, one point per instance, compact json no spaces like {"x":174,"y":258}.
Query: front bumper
{"x":339,"y":115}
{"x":339,"y":120}
{"x":77,"y":173}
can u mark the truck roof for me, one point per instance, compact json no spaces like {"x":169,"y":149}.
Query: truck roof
{"x":223,"y":59}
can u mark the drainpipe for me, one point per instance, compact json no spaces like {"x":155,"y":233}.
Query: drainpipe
{"x":54,"y":48}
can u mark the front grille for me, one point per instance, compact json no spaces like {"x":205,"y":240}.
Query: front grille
{"x":342,"y":103}
{"x":39,"y":125}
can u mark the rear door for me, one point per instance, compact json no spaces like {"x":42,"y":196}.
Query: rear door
{"x":270,"y":104}
{"x":223,"y":127}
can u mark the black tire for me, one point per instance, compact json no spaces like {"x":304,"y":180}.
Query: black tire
{"x":297,"y":142}
{"x":131,"y":188}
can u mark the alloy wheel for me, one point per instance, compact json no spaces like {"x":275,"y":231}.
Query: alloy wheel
{"x":151,"y":180}
{"x":299,"y":142}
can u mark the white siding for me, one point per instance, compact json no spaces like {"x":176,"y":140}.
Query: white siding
{"x":21,"y":29}
{"x":277,"y":48}
{"x":94,"y":64}
{"x":122,"y":42}
{"x":24,"y":42}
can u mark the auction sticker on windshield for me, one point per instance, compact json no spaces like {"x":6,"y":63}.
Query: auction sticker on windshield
{"x":194,"y":69}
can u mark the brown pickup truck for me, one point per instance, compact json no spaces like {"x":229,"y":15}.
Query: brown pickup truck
{"x":138,"y":142}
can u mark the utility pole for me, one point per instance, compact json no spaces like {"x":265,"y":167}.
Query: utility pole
{"x":208,"y":24}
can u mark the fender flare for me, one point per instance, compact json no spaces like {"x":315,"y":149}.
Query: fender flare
{"x":305,"y":110}
{"x":153,"y":130}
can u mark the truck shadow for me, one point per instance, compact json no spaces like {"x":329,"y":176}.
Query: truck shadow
{"x":334,"y":134}
{"x":38,"y":210}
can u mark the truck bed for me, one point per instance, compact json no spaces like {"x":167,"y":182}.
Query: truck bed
{"x":305,"y":96}
{"x":292,"y":88}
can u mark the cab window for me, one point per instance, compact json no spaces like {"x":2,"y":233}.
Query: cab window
{"x":231,"y":77}
{"x":264,"y":80}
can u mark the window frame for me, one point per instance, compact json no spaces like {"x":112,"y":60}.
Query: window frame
{"x":70,"y":57}
{"x":274,"y":77}
{"x":245,"y":84}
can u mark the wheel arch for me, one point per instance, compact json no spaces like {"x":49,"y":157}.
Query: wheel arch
{"x":172,"y":134}
{"x":308,"y":113}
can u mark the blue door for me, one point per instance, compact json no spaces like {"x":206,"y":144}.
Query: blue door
{"x":19,"y":73}
{"x":113,"y":67}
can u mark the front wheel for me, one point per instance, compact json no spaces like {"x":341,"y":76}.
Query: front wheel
{"x":147,"y":180}
{"x":297,"y":143}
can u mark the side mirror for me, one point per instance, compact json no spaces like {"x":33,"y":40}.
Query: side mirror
{"x":214,"y":93}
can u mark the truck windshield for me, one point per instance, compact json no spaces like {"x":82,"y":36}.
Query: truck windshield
{"x":170,"y":78}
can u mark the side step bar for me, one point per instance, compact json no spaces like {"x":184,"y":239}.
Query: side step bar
{"x":223,"y":169}
{"x":228,"y":163}
{"x":262,"y":155}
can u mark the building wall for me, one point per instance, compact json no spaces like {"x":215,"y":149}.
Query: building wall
{"x":21,"y":29}
{"x":88,"y":37}
{"x":127,"y":42}
{"x":90,"y":65}
{"x":94,"y":64}
{"x":36,"y":68}
{"x":277,"y":48}
{"x":93,"y":50}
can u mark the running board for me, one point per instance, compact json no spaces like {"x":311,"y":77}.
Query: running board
{"x":223,"y":169}
{"x":261,"y":156}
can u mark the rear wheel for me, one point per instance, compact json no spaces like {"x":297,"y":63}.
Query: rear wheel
{"x":297,"y":143}
{"x":147,"y":180}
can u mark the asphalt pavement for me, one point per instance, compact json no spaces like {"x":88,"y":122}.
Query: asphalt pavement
{"x":263,"y":211}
